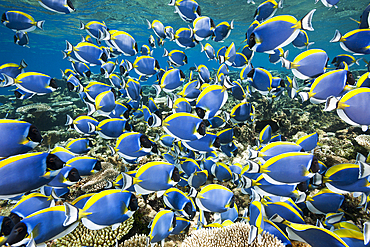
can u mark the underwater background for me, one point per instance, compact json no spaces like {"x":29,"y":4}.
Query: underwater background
{"x":338,"y":142}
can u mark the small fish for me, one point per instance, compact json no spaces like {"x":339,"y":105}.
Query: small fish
{"x":32,"y":82}
{"x":222,"y":31}
{"x":277,"y":56}
{"x":37,"y":170}
{"x":182,"y":226}
{"x":158,"y":28}
{"x":161,"y":226}
{"x":59,"y":6}
{"x":132,"y":145}
{"x":178,"y":201}
{"x":171,"y":80}
{"x":12,"y":69}
{"x":207,"y":143}
{"x":240,"y":60}
{"x":154,"y":176}
{"x":85,"y":165}
{"x":302,"y":40}
{"x":210,"y":101}
{"x":112,"y":128}
{"x":330,"y":84}
{"x":184,"y":37}
{"x":267,"y":9}
{"x":104,"y":103}
{"x":31,"y":203}
{"x":308,"y":64}
{"x":181,"y":105}
{"x":209,"y":51}
{"x":203,"y":28}
{"x":48,"y":223}
{"x":67,"y":176}
{"x":350,"y":60}
{"x":324,"y":202}
{"x":309,"y":233}
{"x":20,"y":21}
{"x":221,"y":172}
{"x":184,"y":126}
{"x":87,"y":52}
{"x":308,"y":142}
{"x":188,"y":10}
{"x":21,"y":38}
{"x":145,"y":50}
{"x":260,"y":39}
{"x":145,"y":66}
{"x":108,"y":68}
{"x":96,"y":29}
{"x":229,"y":56}
{"x":176,"y":58}
{"x":83,"y":124}
{"x":205,"y":199}
{"x":242,"y":113}
{"x":17,"y":137}
{"x":354,"y":41}
{"x":91,"y":216}
{"x":82,"y":69}
{"x":329,"y":3}
{"x":364,"y":18}
{"x":124,"y":43}
{"x":79,"y":145}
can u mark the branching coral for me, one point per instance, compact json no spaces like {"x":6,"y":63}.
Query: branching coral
{"x":234,"y":235}
{"x":82,"y":236}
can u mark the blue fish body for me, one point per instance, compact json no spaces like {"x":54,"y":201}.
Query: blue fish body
{"x":261,"y":79}
{"x":94,"y":88}
{"x":198,"y":178}
{"x":324,"y":202}
{"x":265,"y":135}
{"x":146,"y":65}
{"x":240,"y":60}
{"x":242,"y":112}
{"x":17,"y":137}
{"x":309,"y":64}
{"x":162,"y":225}
{"x":88,"y":53}
{"x":215,"y":198}
{"x":67,"y":176}
{"x":221,"y":172}
{"x":289,"y":168}
{"x":356,"y":41}
{"x":171,"y":80}
{"x":48,"y":223}
{"x":20,"y":21}
{"x":284,"y":210}
{"x":308,"y":142}
{"x":12,"y":69}
{"x":276,"y":148}
{"x":273,"y":229}
{"x":79,"y":145}
{"x":32,"y":82}
{"x":202,"y":145}
{"x":211,"y":99}
{"x":184,"y":37}
{"x":128,"y":146}
{"x":226,"y":135}
{"x":229,"y":149}
{"x":80,"y":201}
{"x":31,"y":203}
{"x":81,"y":68}
{"x":155,"y":176}
{"x":124,"y":43}
{"x":265,"y":10}
{"x":183,"y":126}
{"x":85,"y":165}
{"x":112,"y":128}
{"x":364,"y":80}
{"x":222,"y":31}
{"x":188,"y":10}
{"x":209,"y":51}
{"x":105,"y":103}
{"x":97,"y":215}
{"x":83,"y":124}
{"x":302,"y":40}
{"x":95,"y":29}
{"x":177,"y":58}
{"x":61,"y":6}
{"x":203,"y":27}
{"x":25,"y":172}
{"x":21,"y":38}
{"x":181,"y":105}
{"x":178,"y":200}
{"x":63,"y":153}
{"x":182,"y":226}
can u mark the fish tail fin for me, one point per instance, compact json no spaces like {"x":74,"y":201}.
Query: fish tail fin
{"x":165,"y":52}
{"x":158,"y":90}
{"x":202,"y":47}
{"x":65,"y":55}
{"x":316,"y":1}
{"x":172,"y":3}
{"x":364,"y":170}
{"x":40,"y":24}
{"x":304,"y":96}
{"x":358,"y":60}
{"x":92,"y":127}
{"x":72,"y":214}
{"x":305,"y":22}
{"x":317,"y":179}
{"x":366,"y":232}
{"x":277,"y":219}
{"x":280,"y":4}
{"x":63,"y":75}
{"x":169,"y":102}
{"x":251,"y":1}
{"x":331,"y":103}
{"x":286,"y":63}
{"x":69,"y":120}
{"x":8,"y":81}
{"x":69,"y":47}
{"x":337,"y":37}
{"x":129,"y":66}
{"x":82,"y":25}
{"x":148,"y":24}
{"x":106,"y":34}
{"x":309,"y":44}
{"x":91,"y":108}
{"x":252,"y":234}
{"x":232,"y":24}
{"x":23,"y":64}
{"x":286,"y":54}
{"x":128,"y":181}
{"x":112,"y":150}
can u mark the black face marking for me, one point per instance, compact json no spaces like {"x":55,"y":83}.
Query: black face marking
{"x":53,"y":84}
{"x":18,"y":233}
{"x":175,"y":175}
{"x":104,"y":57}
{"x":74,"y":175}
{"x":70,"y":86}
{"x":200,"y":112}
{"x":252,"y":40}
{"x":133,"y":205}
{"x":189,"y":210}
{"x":53,"y":162}
{"x":34,"y":134}
{"x":17,"y":94}
{"x":202,"y":129}
{"x":145,"y":142}
{"x":69,"y":3}
{"x":6,"y":226}
{"x":350,"y":79}
{"x":250,"y":73}
{"x":315,"y":165}
{"x":217,"y":143}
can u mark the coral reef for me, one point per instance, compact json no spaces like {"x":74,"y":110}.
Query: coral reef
{"x":82,"y":236}
{"x":233,"y":235}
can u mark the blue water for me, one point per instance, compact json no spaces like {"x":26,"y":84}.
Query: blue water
{"x":44,"y":54}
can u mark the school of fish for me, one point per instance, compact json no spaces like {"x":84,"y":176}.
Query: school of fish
{"x":279,"y":176}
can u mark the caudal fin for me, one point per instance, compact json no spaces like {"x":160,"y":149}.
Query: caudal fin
{"x":306,"y":21}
